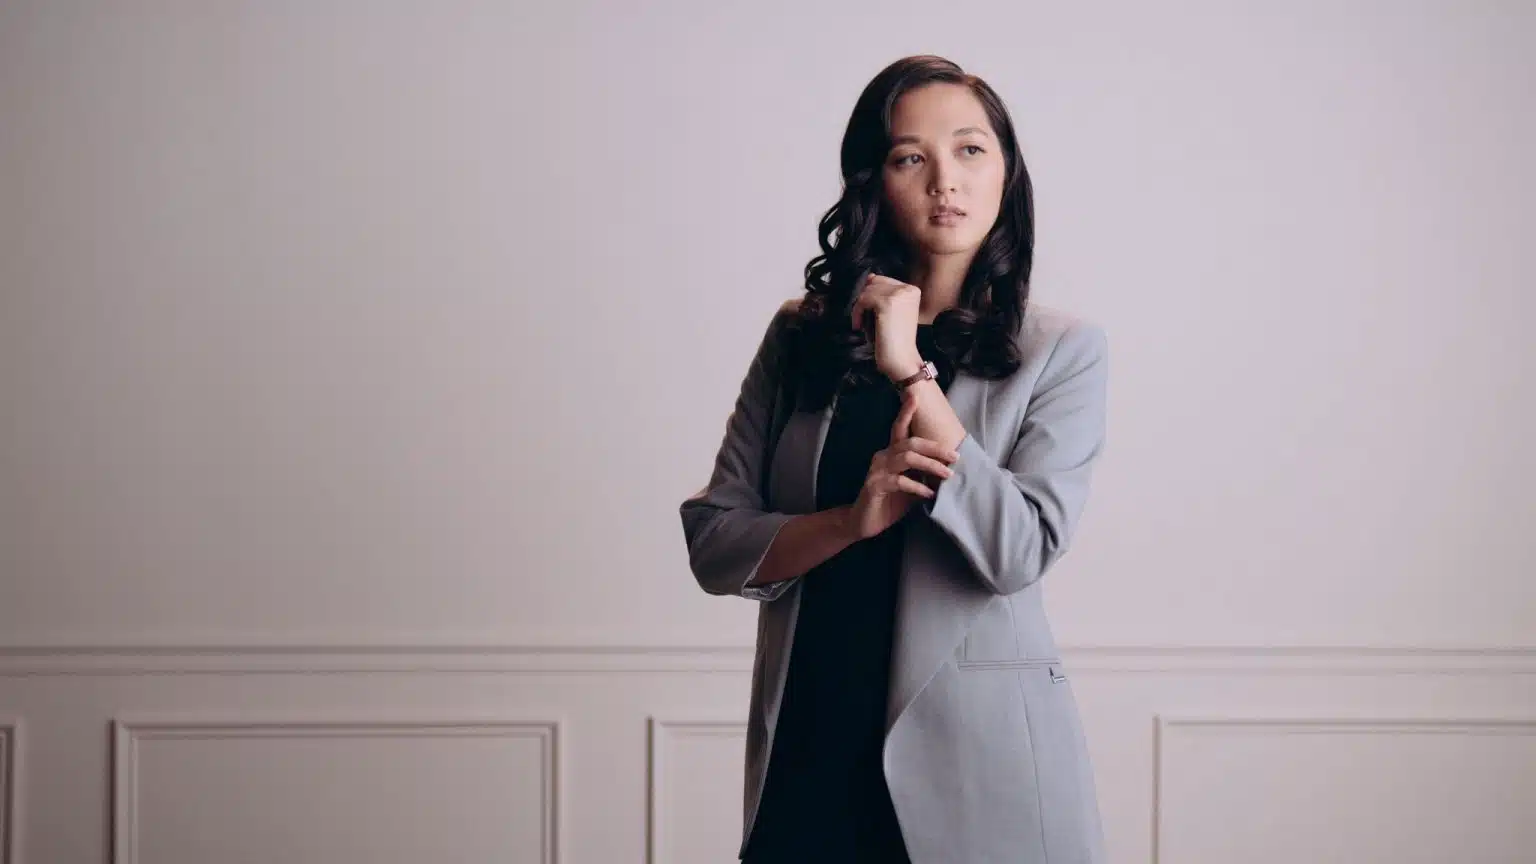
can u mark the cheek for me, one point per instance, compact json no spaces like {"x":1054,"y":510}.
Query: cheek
{"x":910,"y":208}
{"x":990,"y":189}
{"x":991,"y":180}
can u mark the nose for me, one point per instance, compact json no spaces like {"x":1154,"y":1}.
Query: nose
{"x":941,"y":181}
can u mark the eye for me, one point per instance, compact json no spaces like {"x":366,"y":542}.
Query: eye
{"x":903,"y":159}
{"x":978,"y":149}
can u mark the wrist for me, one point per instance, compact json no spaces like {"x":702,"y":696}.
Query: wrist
{"x":904,"y":368}
{"x":845,"y":524}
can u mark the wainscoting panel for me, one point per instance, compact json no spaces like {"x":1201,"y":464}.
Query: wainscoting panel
{"x":10,"y":749}
{"x":598,"y":754}
{"x":308,"y":789}
{"x":694,"y":802}
{"x":1431,"y":789}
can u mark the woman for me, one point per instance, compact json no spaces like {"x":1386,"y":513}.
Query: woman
{"x":909,"y":454}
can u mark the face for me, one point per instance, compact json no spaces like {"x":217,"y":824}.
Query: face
{"x":944,"y":154}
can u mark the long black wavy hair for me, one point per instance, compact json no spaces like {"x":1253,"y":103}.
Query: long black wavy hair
{"x":977,"y":334}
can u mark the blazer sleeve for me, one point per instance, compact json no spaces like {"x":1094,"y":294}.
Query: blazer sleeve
{"x":726,"y":524}
{"x":1014,"y":521}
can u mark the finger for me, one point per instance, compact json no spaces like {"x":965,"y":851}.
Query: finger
{"x":865,"y":311}
{"x":927,"y":447}
{"x":861,"y":300}
{"x":912,"y":487}
{"x":914,"y":460}
{"x":870,"y":297}
{"x":887,"y":286}
{"x":903,"y":425}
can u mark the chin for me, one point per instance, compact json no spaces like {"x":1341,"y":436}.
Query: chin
{"x":948,"y":245}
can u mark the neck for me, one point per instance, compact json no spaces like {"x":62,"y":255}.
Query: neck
{"x":940,"y":278}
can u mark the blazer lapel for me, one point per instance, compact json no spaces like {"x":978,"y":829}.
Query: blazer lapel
{"x":936,"y":599}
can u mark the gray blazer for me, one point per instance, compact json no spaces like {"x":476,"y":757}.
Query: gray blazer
{"x":984,"y":750}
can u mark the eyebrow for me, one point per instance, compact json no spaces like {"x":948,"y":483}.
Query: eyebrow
{"x":912,"y":139}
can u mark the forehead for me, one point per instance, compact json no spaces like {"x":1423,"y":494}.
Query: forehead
{"x":936,"y":111}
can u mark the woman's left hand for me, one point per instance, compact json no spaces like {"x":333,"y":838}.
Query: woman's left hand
{"x":894,"y":307}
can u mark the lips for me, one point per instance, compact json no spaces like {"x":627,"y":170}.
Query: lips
{"x":945,"y":212}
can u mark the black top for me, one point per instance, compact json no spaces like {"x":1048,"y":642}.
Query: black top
{"x":824,"y":797}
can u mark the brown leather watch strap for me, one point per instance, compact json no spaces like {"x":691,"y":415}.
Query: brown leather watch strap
{"x":928,"y":371}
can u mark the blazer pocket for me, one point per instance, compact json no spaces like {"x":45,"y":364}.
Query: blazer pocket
{"x":1058,"y":673}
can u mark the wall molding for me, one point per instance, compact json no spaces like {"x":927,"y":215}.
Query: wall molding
{"x":128,"y":731}
{"x":659,"y":731}
{"x":10,"y":789}
{"x":323,"y":658}
{"x":1165,"y":724}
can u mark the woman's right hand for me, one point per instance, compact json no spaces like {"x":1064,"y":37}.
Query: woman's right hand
{"x":888,"y":492}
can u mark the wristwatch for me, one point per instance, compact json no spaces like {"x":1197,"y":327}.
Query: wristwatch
{"x":928,"y":372}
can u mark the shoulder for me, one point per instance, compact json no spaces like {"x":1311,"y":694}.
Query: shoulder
{"x":1054,"y":337}
{"x":774,"y":342}
{"x":1059,"y":351}
{"x":783,"y":324}
{"x":788,"y":311}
